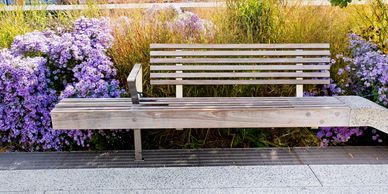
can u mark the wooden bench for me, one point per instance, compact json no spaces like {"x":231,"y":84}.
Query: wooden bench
{"x":224,"y":64}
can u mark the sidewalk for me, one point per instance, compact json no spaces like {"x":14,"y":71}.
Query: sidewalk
{"x":227,"y":179}
{"x":255,"y":170}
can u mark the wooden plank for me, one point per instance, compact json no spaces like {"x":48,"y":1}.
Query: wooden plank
{"x":200,"y":118}
{"x":238,"y":82}
{"x":83,"y":100}
{"x":242,"y":75}
{"x":237,"y":67}
{"x":201,"y":99}
{"x":214,"y":106}
{"x":226,"y":100}
{"x":240,"y":53}
{"x":241,"y":60}
{"x":162,"y":108}
{"x":273,"y":101}
{"x":242,"y":46}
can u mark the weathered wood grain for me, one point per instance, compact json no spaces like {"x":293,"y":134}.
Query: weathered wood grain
{"x":240,"y":82}
{"x":241,"y":75}
{"x":240,"y":53}
{"x":200,"y":118}
{"x":237,"y":67}
{"x":201,"y":60}
{"x":241,"y":46}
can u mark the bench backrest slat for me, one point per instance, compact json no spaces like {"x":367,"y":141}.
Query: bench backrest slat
{"x":234,"y":64}
{"x":241,"y":60}
{"x":239,"y":82}
{"x":236,"y":67}
{"x":238,"y":53}
{"x":241,"y":46}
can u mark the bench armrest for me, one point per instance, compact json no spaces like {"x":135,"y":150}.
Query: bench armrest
{"x":135,"y":83}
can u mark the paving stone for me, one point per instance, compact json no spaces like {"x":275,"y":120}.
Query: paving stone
{"x":158,"y":178}
{"x":352,"y":175}
{"x":284,"y":190}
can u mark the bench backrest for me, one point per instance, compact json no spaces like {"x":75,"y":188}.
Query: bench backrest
{"x":235,"y":64}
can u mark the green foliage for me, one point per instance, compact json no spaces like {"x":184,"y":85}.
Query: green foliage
{"x":340,"y":3}
{"x":375,"y":24}
{"x":108,"y":140}
{"x":256,"y":19}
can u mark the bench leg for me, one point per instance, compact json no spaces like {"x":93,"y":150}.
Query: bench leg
{"x":138,"y":149}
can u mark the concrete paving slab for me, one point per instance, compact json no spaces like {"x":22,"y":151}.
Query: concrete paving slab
{"x":286,"y":190}
{"x":158,"y":178}
{"x":352,"y":175}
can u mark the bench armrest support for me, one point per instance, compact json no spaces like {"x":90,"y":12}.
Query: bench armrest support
{"x":135,"y":81}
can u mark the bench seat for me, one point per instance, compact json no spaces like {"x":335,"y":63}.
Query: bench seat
{"x":223,"y":112}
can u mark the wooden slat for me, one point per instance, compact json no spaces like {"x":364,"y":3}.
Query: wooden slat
{"x":239,"y":53}
{"x":97,"y":100}
{"x":200,"y":118}
{"x":315,"y":99}
{"x":241,"y":46}
{"x":237,"y":67}
{"x":198,"y":101}
{"x":153,"y":105}
{"x":242,"y":60}
{"x":193,"y":107}
{"x":241,"y":75}
{"x":324,"y":99}
{"x":238,"y":82}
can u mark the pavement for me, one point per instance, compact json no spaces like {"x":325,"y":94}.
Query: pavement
{"x":304,"y":177}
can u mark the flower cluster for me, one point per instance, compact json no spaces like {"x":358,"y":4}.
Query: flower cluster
{"x":43,"y":67}
{"x":366,"y":74}
{"x":337,"y":135}
{"x":367,"y":71}
{"x":25,"y":101}
{"x":191,"y":26}
{"x":184,"y":23}
{"x":156,"y":11}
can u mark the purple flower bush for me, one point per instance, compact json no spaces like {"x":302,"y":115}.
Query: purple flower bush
{"x":156,"y":11}
{"x":25,"y":101}
{"x":184,"y":23}
{"x":40,"y":68}
{"x":337,"y":135}
{"x":191,"y":26}
{"x":367,"y":71}
{"x":366,"y":74}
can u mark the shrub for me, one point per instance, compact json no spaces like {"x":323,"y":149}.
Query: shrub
{"x":341,"y":3}
{"x":191,"y":27}
{"x":25,"y":103}
{"x":365,"y":75}
{"x":375,"y":24}
{"x":43,"y":67}
{"x":258,"y":20}
{"x":367,"y":71}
